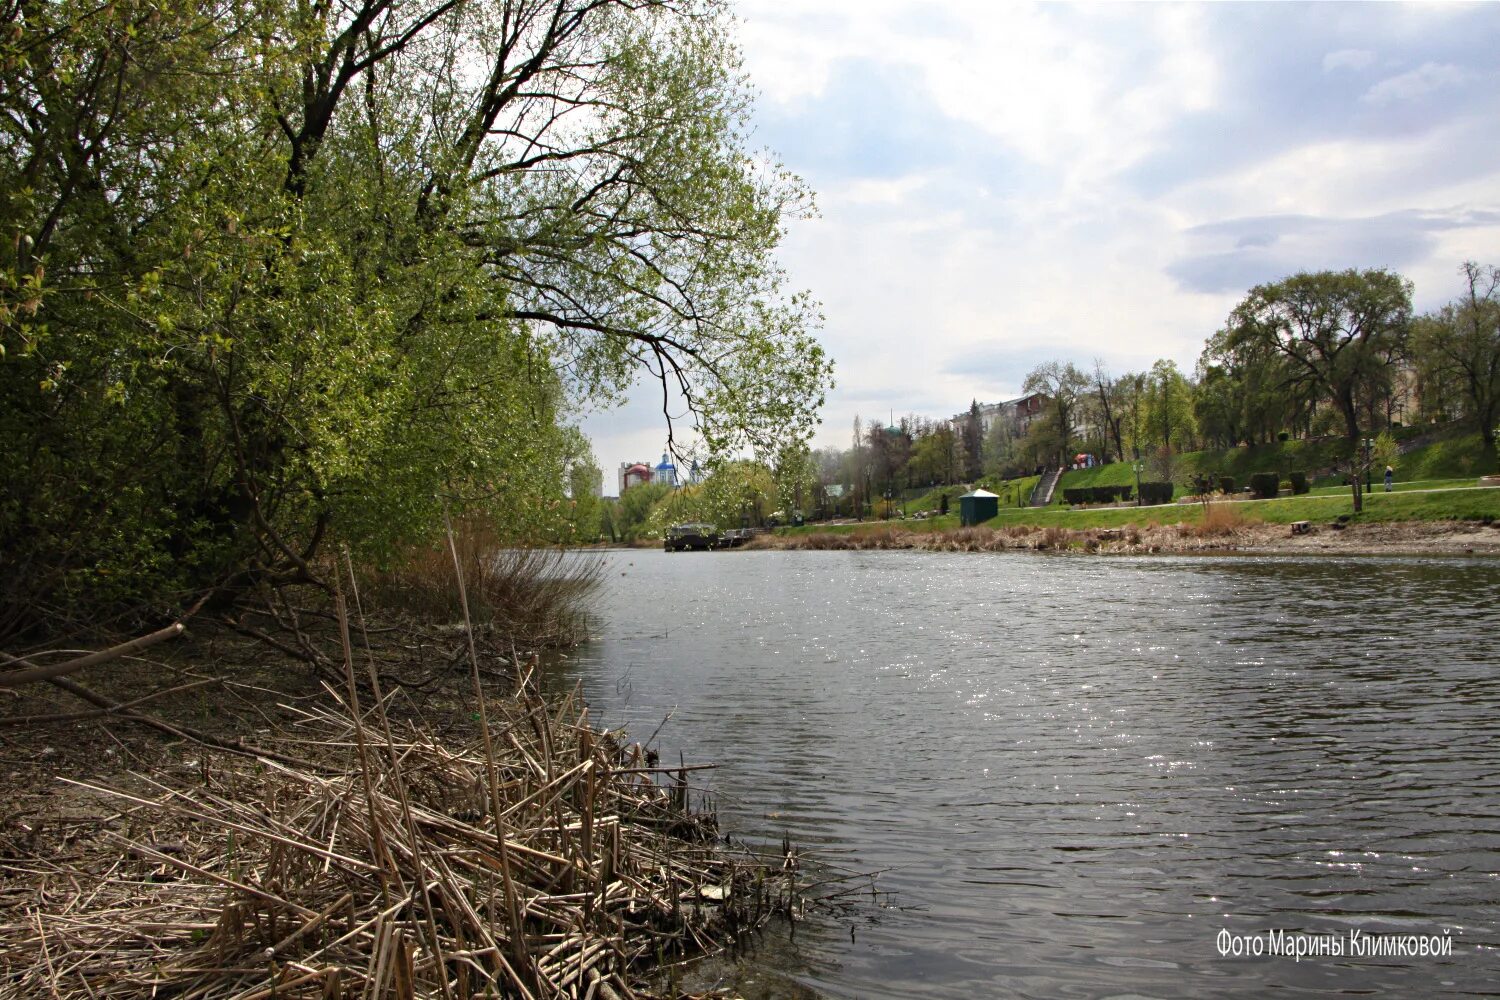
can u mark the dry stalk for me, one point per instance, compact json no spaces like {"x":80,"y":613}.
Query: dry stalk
{"x":546,"y":861}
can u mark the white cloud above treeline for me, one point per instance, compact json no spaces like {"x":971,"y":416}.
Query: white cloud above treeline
{"x":1000,"y":184}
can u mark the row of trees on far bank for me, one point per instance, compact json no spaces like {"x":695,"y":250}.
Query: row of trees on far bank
{"x":1313,"y":355}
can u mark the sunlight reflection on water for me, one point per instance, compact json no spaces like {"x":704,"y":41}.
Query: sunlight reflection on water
{"x":1079,"y":770}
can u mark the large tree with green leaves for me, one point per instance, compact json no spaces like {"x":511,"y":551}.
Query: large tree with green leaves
{"x":1169,"y":406}
{"x":274,"y":273}
{"x":1338,"y":331}
{"x":1064,"y":386}
{"x":1458,"y":348}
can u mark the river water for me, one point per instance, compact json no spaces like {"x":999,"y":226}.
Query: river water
{"x":1078,"y":772}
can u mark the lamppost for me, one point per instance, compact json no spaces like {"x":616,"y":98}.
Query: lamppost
{"x":1139,"y":468}
{"x":1369,"y":446}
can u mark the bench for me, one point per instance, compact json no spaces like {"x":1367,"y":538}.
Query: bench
{"x":1301,"y":527}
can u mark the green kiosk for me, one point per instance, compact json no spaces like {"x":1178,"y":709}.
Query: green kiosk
{"x":979,"y":505}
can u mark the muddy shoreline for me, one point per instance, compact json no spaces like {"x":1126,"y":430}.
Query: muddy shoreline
{"x":1396,"y":538}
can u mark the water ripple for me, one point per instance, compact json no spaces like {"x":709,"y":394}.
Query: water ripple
{"x":1080,"y":770}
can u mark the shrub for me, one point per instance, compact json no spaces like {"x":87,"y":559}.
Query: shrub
{"x":1264,"y":485}
{"x":1156,"y":493}
{"x":1283,"y":436}
{"x":1299,"y":482}
{"x":1226,"y":484}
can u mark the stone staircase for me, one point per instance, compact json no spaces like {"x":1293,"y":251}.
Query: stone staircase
{"x":1042,"y":495}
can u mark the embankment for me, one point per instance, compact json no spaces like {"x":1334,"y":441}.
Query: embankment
{"x":1371,"y":538}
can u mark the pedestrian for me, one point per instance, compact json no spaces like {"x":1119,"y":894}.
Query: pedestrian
{"x":1390,"y":477}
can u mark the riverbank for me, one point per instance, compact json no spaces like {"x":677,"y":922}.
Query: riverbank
{"x":1225,"y":535}
{"x":432,"y":826}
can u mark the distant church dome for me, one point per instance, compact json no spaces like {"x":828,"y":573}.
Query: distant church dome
{"x":666,"y":472}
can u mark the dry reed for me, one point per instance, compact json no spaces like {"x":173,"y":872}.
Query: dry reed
{"x":533,"y":596}
{"x":1220,"y":518}
{"x":546,"y":861}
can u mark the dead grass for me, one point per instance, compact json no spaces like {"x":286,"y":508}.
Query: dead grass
{"x":1221,"y":518}
{"x":548,"y":862}
{"x":535,"y":597}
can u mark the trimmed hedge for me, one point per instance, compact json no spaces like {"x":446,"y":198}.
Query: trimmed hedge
{"x":1264,"y":485}
{"x":1299,"y":482}
{"x":1156,"y":493}
{"x":1226,"y":484}
{"x":1096,"y":494}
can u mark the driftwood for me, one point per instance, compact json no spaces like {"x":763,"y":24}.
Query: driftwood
{"x":30,"y":673}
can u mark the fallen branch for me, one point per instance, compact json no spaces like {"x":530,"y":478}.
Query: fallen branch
{"x":40,"y":720}
{"x":29,"y":672}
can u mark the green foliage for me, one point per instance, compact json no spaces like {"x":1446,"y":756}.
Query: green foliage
{"x":1456,"y":352}
{"x":1299,"y":483}
{"x":1049,"y":440}
{"x":1168,"y":405}
{"x":738,"y":492}
{"x":1338,"y":333}
{"x":1156,"y":493}
{"x":1266,"y":484}
{"x":272,"y":275}
{"x":632,"y":513}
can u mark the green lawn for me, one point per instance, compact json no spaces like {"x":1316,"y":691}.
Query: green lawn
{"x":1452,"y":504}
{"x":1458,"y":458}
{"x":1452,"y":461}
{"x":1009,"y":491}
{"x":1400,"y":487}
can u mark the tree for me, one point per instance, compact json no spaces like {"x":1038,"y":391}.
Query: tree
{"x":1062,"y":384}
{"x":585,"y":515}
{"x":796,"y":474}
{"x":890,"y":450}
{"x":739,"y":492}
{"x":1337,"y":330}
{"x":1169,"y":405}
{"x":972,"y":441}
{"x":999,"y":446}
{"x":632,"y":513}
{"x":932,"y":456}
{"x":1459,"y":346}
{"x":274,"y":274}
{"x":1131,"y":390}
{"x":1107,"y":393}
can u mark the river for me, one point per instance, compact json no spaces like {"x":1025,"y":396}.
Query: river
{"x":1084,"y":776}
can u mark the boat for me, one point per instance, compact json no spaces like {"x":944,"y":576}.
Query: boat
{"x":735,"y":537}
{"x":690,"y":537}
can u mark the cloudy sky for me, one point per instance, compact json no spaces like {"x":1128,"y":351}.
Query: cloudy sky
{"x":999,"y":185}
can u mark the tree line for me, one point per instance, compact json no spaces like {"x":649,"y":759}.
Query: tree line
{"x":1333,"y":353}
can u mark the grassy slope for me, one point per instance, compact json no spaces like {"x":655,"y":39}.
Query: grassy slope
{"x":1007,"y":491}
{"x":1459,"y":456}
{"x":1450,"y":462}
{"x":1459,"y":504}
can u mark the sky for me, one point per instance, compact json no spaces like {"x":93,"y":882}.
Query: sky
{"x":999,"y":185}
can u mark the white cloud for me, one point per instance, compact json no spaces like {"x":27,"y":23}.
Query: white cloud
{"x":1418,"y":83}
{"x":1025,"y":234}
{"x":1050,"y":83}
{"x":1352,"y":59}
